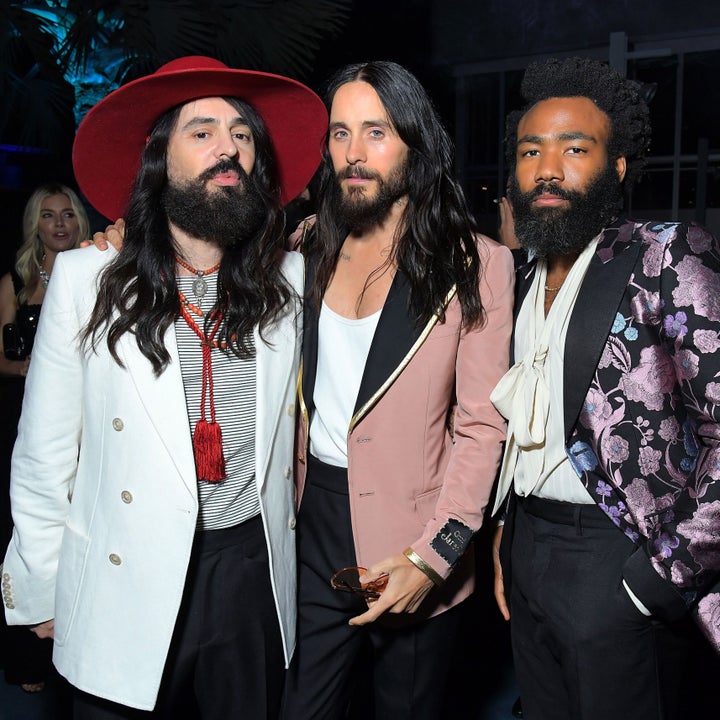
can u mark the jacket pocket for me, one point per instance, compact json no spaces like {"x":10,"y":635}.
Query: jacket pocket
{"x":71,"y":570}
{"x":425,"y":504}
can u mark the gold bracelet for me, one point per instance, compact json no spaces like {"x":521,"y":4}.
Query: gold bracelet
{"x":420,"y":564}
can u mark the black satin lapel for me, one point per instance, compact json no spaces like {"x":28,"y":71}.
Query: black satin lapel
{"x":311,"y":318}
{"x":590,"y":324}
{"x":395,"y":334}
{"x":523,"y":280}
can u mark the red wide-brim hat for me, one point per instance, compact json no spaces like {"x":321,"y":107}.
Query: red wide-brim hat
{"x":112,"y":136}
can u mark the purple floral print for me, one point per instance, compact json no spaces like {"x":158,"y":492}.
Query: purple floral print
{"x":703,"y":531}
{"x":706,"y":341}
{"x":651,"y":379}
{"x":712,"y":393}
{"x":615,"y":448}
{"x":686,"y":363}
{"x":698,"y":287}
{"x":649,"y":460}
{"x":675,"y":324}
{"x":709,"y":614}
{"x":596,"y":410}
{"x":650,"y":420}
{"x":669,"y":429}
{"x":646,"y":307}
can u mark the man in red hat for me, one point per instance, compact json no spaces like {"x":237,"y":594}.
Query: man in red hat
{"x":151,"y":484}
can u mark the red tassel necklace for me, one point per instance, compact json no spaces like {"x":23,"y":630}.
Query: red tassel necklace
{"x":207,"y":437}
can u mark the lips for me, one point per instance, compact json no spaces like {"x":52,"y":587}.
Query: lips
{"x":549,"y":200}
{"x":227,"y":178}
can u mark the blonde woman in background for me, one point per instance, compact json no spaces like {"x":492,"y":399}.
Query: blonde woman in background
{"x":54,"y":220}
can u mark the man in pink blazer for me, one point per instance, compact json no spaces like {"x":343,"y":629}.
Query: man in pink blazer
{"x":407,"y":325}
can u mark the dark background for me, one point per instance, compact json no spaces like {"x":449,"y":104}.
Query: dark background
{"x":448,"y":44}
{"x":470,"y":54}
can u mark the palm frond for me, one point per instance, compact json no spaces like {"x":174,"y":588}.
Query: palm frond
{"x":98,"y":44}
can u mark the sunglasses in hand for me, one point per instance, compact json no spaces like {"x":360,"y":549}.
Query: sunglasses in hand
{"x":348,"y":580}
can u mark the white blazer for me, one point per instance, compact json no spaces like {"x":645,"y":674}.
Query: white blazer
{"x":104,"y":492}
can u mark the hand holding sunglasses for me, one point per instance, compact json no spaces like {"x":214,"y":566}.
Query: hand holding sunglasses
{"x":348,"y":580}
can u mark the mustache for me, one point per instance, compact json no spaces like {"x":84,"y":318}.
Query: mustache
{"x":549,"y":189}
{"x":357,"y":171}
{"x":223,"y":166}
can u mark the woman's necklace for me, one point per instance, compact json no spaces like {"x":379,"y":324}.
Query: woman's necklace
{"x":199,"y":286}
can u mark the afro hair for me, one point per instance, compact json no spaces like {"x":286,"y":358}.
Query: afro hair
{"x":619,"y":98}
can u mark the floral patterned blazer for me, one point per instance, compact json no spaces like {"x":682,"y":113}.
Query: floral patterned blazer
{"x":642,"y":407}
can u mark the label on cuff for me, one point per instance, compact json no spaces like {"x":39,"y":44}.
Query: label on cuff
{"x":452,"y":540}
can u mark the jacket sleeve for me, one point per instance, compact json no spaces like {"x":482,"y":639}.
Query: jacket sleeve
{"x":45,"y":457}
{"x":479,"y":430}
{"x":681,"y":558}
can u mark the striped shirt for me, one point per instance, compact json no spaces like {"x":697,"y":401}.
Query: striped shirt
{"x":235,"y":499}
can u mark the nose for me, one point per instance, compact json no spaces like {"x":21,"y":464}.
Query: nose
{"x":355,"y":152}
{"x":226,"y":146}
{"x":549,"y":168}
{"x":60,"y":220}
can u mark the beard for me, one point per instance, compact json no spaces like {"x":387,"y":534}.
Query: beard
{"x":225,"y":216}
{"x":359,"y":212}
{"x":556,"y":231}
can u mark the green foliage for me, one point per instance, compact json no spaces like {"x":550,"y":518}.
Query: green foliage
{"x":57,"y":56}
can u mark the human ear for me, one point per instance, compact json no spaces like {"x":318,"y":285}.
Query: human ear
{"x":621,"y":167}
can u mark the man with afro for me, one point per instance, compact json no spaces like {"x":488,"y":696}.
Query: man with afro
{"x":610,"y":483}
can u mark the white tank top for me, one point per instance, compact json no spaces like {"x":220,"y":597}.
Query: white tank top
{"x":343,"y":346}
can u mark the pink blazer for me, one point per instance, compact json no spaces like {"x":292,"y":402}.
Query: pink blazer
{"x":412,"y":483}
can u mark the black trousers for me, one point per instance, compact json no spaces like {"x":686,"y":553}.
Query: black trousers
{"x":582,"y":649}
{"x":226,"y":657}
{"x":407,"y":663}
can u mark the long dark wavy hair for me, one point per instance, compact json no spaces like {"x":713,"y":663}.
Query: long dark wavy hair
{"x":137,"y":292}
{"x":434,"y":245}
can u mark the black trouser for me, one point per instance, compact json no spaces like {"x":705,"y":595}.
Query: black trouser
{"x":582,"y":649}
{"x":408,"y":664}
{"x":226,"y":657}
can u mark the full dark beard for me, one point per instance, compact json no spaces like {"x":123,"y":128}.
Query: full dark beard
{"x":546,"y":232}
{"x":358,"y":212}
{"x":226,"y":216}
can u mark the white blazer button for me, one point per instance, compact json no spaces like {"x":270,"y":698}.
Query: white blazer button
{"x":118,"y":424}
{"x":114,"y":559}
{"x":291,"y":410}
{"x":126,"y":496}
{"x":292,"y":524}
{"x":10,"y":606}
{"x":288,"y":471}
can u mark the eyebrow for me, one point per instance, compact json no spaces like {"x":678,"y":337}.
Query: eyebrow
{"x":194,"y":122}
{"x":365,"y":124}
{"x":539,"y":139}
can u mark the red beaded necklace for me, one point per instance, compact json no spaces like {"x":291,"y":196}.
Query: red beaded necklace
{"x":199,"y":285}
{"x":207,"y":436}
